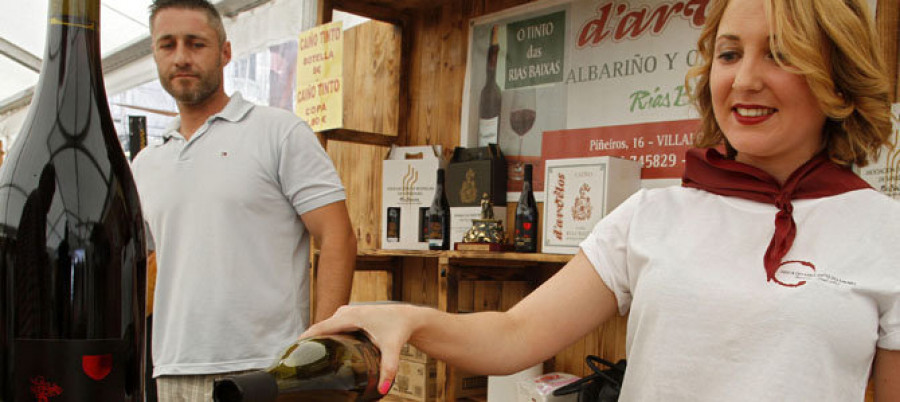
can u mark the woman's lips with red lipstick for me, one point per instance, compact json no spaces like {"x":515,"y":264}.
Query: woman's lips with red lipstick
{"x":752,"y":114}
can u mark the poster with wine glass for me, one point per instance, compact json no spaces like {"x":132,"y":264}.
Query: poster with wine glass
{"x":583,"y":78}
{"x":884,"y":174}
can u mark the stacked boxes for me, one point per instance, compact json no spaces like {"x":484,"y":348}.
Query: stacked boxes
{"x":417,"y":378}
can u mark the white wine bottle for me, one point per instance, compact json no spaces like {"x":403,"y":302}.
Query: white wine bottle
{"x":72,"y":252}
{"x":333,"y":368}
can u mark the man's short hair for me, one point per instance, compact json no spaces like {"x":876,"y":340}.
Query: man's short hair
{"x":213,"y":16}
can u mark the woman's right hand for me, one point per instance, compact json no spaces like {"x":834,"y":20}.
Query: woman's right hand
{"x":389,"y":326}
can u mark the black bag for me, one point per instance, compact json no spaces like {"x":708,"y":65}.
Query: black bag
{"x":602,"y":386}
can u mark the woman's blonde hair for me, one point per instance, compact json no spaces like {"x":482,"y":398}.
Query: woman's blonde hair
{"x":833,"y":44}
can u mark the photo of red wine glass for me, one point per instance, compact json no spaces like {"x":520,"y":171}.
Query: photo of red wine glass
{"x":522,"y":113}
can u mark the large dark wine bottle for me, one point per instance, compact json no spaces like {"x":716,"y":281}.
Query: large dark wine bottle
{"x":525,"y":236}
{"x":439,"y":217}
{"x":333,"y":368}
{"x":72,"y":252}
{"x":489,"y":103}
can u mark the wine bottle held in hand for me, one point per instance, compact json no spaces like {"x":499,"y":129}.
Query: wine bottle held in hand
{"x":330,"y":368}
{"x":72,"y":252}
{"x":525,"y":236}
{"x":439,"y":217}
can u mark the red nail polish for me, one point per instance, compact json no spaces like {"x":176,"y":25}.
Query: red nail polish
{"x":384,"y":387}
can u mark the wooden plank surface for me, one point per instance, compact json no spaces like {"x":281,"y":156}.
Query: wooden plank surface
{"x":371,"y":286}
{"x":359,"y":167}
{"x":887,"y":23}
{"x":371,"y":79}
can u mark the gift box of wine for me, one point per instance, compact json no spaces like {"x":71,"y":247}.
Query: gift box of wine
{"x":579,"y":192}
{"x":471,"y":173}
{"x":408,"y":177}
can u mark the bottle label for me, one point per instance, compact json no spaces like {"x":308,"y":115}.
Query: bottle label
{"x":393,"y":224}
{"x":81,"y":14}
{"x":72,"y":370}
{"x":436,"y":234}
{"x":423,"y":224}
{"x":525,"y":236}
{"x":71,"y":23}
{"x":487,"y":131}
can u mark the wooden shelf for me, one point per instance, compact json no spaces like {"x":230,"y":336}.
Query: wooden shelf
{"x":397,"y":6}
{"x":466,"y":255}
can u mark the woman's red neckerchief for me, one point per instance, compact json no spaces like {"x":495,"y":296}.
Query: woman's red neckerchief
{"x":707,"y":169}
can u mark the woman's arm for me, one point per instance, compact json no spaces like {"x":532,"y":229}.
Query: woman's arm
{"x":887,"y":375}
{"x":568,"y":305}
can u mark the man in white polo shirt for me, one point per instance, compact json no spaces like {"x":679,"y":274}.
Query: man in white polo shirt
{"x":231,"y":200}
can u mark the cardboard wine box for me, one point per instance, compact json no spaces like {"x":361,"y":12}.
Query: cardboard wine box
{"x":471,"y":173}
{"x":408,"y":177}
{"x":540,"y":389}
{"x":416,"y":378}
{"x":579,"y":192}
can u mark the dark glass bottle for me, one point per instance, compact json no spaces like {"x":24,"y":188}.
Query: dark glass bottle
{"x":333,"y":368}
{"x":72,"y":253}
{"x":489,"y":103}
{"x":526,"y":217}
{"x":393,"y":224}
{"x":439,"y":217}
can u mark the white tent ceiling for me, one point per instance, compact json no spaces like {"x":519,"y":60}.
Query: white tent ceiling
{"x":23,"y":25}
{"x":252,"y":25}
{"x":123,"y":38}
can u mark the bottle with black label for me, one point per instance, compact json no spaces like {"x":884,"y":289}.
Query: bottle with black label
{"x":525,"y":237}
{"x":331,"y":368}
{"x":439,"y":217}
{"x":72,"y":251}
{"x":489,"y":103}
{"x":423,"y":225}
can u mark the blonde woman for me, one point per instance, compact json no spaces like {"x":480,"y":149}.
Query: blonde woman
{"x":772,"y":274}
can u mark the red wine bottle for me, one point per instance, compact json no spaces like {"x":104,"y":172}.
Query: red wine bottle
{"x":439,"y":217}
{"x":489,"y":103}
{"x":72,"y":252}
{"x":525,"y":237}
{"x":333,"y":368}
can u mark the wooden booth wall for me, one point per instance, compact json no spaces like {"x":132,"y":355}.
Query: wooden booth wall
{"x":434,"y":47}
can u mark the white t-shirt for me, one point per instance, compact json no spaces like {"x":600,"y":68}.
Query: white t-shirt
{"x":232,"y":253}
{"x":705,"y":325}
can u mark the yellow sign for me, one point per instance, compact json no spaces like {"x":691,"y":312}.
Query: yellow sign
{"x":320,"y":77}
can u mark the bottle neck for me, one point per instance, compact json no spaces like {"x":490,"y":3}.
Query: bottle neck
{"x":73,"y":30}
{"x":80,"y":13}
{"x":439,"y":186}
{"x":71,"y":71}
{"x":492,"y":62}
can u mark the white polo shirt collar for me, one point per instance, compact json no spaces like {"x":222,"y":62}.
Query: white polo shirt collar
{"x":236,"y":109}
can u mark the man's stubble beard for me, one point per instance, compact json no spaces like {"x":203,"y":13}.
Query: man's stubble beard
{"x":207,"y":86}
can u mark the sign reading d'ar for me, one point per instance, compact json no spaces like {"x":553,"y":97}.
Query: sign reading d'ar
{"x":607,"y":75}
